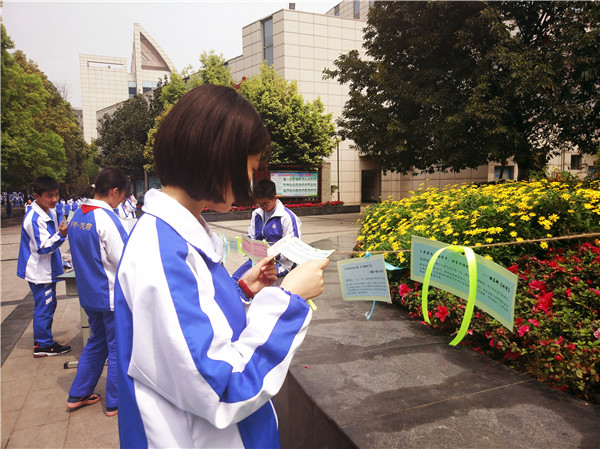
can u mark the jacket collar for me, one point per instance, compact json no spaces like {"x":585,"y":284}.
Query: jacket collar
{"x":96,"y":203}
{"x":41,"y":212}
{"x":279,"y":211}
{"x":193,"y":230}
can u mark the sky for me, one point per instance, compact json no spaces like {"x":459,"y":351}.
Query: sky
{"x":53,"y":34}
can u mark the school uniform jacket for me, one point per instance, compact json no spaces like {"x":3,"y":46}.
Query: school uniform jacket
{"x":283,"y":222}
{"x":96,"y":239}
{"x":40,"y":261}
{"x":195,"y":369}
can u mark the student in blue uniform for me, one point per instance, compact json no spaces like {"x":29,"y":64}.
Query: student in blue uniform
{"x":271,"y":221}
{"x":196,"y":369}
{"x":59,"y":208}
{"x":40,"y":262}
{"x":96,"y":238}
{"x":67,"y":208}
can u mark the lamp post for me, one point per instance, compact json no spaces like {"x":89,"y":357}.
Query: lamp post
{"x":338,"y":168}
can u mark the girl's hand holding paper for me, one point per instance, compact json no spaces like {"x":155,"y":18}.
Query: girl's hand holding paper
{"x":306,"y":280}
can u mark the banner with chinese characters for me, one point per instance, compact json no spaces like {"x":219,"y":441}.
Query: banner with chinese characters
{"x":296,"y":183}
{"x":496,"y":286}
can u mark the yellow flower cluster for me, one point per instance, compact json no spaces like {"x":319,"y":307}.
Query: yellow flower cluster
{"x":478,"y":215}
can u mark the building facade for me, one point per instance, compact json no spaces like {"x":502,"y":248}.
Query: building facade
{"x":105,"y":80}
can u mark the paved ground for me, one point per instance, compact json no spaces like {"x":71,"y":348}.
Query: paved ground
{"x":384,"y":383}
{"x":34,"y":390}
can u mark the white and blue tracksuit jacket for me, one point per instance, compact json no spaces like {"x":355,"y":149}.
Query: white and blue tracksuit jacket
{"x":40,"y":261}
{"x":96,"y":239}
{"x":283,"y":222}
{"x":195,"y":368}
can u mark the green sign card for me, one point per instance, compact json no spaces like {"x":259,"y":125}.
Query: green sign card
{"x":496,"y":286}
{"x":364,"y":279}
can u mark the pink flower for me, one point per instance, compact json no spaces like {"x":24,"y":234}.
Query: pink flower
{"x":595,"y":291}
{"x":513,"y":269}
{"x":535,"y":322}
{"x":558,"y":357}
{"x":403,"y":290}
{"x":442,"y":313}
{"x":544,"y":301}
{"x":597,"y":333}
{"x":523,"y":330}
{"x":538,"y":285}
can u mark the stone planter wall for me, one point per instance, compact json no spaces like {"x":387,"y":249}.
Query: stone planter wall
{"x":300,"y":212}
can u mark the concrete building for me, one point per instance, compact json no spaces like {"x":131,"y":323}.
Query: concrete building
{"x":106,"y":81}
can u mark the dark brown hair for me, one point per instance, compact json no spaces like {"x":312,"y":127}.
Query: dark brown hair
{"x":265,"y":188}
{"x":107,"y":179}
{"x":204,"y":142}
{"x":44,"y":184}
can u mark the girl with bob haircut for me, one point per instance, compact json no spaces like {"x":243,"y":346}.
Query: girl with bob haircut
{"x":96,"y":239}
{"x":200,"y":355}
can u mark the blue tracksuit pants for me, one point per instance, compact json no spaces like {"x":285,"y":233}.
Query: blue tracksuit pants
{"x":44,"y":296}
{"x":100,"y":346}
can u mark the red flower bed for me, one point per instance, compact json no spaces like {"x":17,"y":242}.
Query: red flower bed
{"x":291,"y":205}
{"x":556,"y":336}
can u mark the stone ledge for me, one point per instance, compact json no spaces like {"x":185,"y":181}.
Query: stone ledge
{"x":299,"y":211}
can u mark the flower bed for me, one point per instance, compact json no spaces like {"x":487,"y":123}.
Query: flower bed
{"x":556,"y":338}
{"x":291,"y":205}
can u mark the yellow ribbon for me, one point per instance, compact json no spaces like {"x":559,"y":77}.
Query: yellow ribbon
{"x":472,"y":266}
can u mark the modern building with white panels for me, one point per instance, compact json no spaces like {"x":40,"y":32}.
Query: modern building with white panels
{"x":105,"y":80}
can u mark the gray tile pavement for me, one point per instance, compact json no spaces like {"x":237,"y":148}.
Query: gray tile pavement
{"x":34,"y":391}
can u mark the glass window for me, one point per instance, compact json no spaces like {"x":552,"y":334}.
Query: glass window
{"x":132,"y":88}
{"x":576,"y":160}
{"x":507,"y":173}
{"x":268,"y":40}
{"x":105,"y":65}
{"x":356,"y":9}
{"x":336,"y":10}
{"x":149,"y":85}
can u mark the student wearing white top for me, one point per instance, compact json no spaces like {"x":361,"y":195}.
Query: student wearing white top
{"x":40,"y":262}
{"x":195,"y":368}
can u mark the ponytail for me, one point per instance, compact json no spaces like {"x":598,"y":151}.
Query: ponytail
{"x":107,"y":179}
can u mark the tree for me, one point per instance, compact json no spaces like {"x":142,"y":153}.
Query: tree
{"x":213,"y":70}
{"x":452,"y":85}
{"x":123,"y":135}
{"x":58,"y":116}
{"x":301,"y":133}
{"x":29,"y":148}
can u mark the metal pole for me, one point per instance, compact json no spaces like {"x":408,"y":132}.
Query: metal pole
{"x":338,"y":169}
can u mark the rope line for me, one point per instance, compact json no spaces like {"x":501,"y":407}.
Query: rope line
{"x":488,"y":245}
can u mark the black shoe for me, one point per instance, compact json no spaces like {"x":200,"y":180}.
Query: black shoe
{"x":55,"y":349}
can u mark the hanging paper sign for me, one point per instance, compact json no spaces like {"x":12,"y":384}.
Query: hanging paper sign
{"x":254,"y":249}
{"x":294,"y":249}
{"x":234,"y":244}
{"x":454,"y":269}
{"x":364,"y":279}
